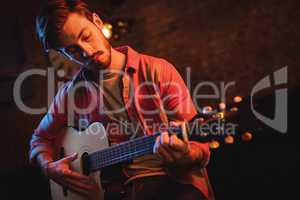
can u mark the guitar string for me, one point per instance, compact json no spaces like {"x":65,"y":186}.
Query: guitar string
{"x":131,"y":144}
{"x":120,"y":147}
{"x":125,"y":150}
{"x":109,"y":162}
{"x":124,"y":157}
{"x":104,"y":157}
{"x":120,"y":151}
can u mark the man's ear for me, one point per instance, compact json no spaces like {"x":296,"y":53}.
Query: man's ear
{"x":97,"y":21}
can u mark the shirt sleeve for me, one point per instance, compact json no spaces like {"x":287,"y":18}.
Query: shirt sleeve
{"x":178,"y":103}
{"x":44,"y":135}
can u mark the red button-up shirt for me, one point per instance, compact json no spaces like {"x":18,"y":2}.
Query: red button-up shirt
{"x":153,"y":93}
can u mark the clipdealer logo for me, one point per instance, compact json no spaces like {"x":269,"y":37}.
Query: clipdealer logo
{"x":280,"y":121}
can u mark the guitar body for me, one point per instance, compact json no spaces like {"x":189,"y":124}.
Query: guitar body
{"x":94,"y":153}
{"x":92,"y":139}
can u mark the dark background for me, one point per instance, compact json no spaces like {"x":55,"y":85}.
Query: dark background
{"x":221,"y":40}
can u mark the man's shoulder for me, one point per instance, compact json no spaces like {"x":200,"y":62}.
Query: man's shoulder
{"x":141,"y":60}
{"x":154,"y":60}
{"x":155,"y":69}
{"x":155,"y":63}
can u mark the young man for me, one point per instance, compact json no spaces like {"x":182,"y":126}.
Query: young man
{"x":124,"y":79}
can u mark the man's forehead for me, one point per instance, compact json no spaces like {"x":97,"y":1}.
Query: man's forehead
{"x":72,"y":27}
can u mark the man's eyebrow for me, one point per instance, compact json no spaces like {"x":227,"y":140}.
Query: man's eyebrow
{"x":82,"y":30}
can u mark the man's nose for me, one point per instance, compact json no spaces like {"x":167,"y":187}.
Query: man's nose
{"x":86,"y":51}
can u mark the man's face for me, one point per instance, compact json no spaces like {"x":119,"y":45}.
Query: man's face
{"x":82,"y":41}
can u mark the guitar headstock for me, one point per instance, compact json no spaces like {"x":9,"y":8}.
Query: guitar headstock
{"x":219,"y":125}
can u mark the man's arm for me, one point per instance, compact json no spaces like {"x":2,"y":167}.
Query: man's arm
{"x":41,"y":144}
{"x":42,"y":150}
{"x":179,"y":107}
{"x":48,"y":129}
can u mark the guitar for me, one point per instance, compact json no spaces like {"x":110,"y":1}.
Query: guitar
{"x":95,"y":153}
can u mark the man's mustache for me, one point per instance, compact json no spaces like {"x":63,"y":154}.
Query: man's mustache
{"x":92,"y":59}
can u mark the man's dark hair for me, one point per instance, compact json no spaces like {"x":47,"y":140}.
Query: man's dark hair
{"x":53,"y":15}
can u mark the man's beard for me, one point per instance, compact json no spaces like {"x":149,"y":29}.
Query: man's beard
{"x":94,"y":64}
{"x":97,"y":65}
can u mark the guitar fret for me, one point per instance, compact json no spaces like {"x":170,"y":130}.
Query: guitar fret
{"x":122,"y":152}
{"x":137,"y":147}
{"x":117,"y":154}
{"x":124,"y":158}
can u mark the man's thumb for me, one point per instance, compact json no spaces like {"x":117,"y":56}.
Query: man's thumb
{"x":70,"y":158}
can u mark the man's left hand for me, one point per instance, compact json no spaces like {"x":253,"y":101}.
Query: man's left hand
{"x":172,"y":150}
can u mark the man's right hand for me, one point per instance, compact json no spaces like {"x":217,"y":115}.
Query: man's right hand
{"x":60,"y":172}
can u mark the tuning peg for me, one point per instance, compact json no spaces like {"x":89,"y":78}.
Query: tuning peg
{"x":214,"y":144}
{"x":207,"y":110}
{"x":229,"y":139}
{"x":237,"y":99}
{"x":234,"y":109}
{"x":204,"y":134}
{"x":222,"y":106}
{"x":219,"y":115}
{"x":247,"y":136}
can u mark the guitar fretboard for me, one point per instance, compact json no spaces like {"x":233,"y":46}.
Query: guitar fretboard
{"x":137,"y":147}
{"x":122,"y":152}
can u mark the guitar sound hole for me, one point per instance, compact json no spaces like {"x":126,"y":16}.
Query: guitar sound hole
{"x":85,"y":163}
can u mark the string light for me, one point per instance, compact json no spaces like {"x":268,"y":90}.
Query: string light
{"x":247,"y":136}
{"x":229,"y":139}
{"x":214,"y":144}
{"x":237,"y":99}
{"x":107,"y":30}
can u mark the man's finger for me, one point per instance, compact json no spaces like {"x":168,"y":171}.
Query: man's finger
{"x":75,"y":175}
{"x":156,"y":145}
{"x":164,"y":138}
{"x":173,"y":123}
{"x":75,"y":189}
{"x":177,"y":144}
{"x":176,"y":155}
{"x":163,"y":153}
{"x":70,"y":158}
{"x":84,"y":185}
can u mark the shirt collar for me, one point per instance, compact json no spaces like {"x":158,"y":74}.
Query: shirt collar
{"x":132,"y":62}
{"x":132,"y":57}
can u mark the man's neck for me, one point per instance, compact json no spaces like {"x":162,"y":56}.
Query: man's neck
{"x":118,"y":60}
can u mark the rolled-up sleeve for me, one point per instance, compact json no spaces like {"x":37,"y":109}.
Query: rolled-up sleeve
{"x":44,"y":135}
{"x":178,"y":103}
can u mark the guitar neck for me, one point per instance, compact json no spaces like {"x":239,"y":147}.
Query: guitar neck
{"x":135,"y":148}
{"x":121,"y":152}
